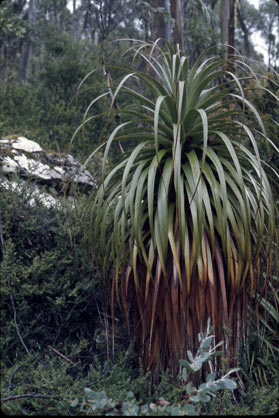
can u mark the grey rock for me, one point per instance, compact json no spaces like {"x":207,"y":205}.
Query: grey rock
{"x":27,"y":159}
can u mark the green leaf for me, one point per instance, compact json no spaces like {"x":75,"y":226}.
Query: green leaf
{"x":190,"y":355}
{"x":184,"y":374}
{"x":206,"y":342}
{"x":227,"y":384}
{"x":130,"y":395}
{"x":189,"y":410}
{"x":210,"y":377}
{"x":184,"y":363}
{"x":204,"y":396}
{"x":195,"y":398}
{"x":190,"y":388}
{"x":75,"y":402}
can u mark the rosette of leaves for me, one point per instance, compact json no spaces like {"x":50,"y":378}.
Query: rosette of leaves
{"x":187,"y":215}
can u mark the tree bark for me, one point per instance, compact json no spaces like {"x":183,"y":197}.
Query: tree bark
{"x":168,"y":23}
{"x":158,"y":24}
{"x":227,"y":18}
{"x":26,"y":55}
{"x":247,"y":49}
{"x":177,"y":14}
{"x":231,"y":28}
{"x":224,"y":19}
{"x":27,"y":46}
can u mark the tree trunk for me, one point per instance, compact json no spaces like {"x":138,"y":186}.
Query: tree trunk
{"x":247,"y":50}
{"x":177,"y":14}
{"x":27,"y":46}
{"x":224,"y":19}
{"x":227,"y":18}
{"x":5,"y":68}
{"x":231,"y":28}
{"x":168,"y":23}
{"x":158,"y":24}
{"x":77,"y":23}
{"x":25,"y":61}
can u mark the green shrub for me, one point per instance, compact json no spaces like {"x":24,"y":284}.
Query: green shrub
{"x":253,"y":400}
{"x":119,"y":387}
{"x":53,"y":379}
{"x":56,"y":289}
{"x":60,"y":383}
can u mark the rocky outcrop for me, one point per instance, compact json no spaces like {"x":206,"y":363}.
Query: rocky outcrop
{"x":27,"y":159}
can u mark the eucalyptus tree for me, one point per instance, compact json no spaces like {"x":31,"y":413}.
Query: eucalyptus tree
{"x":13,"y":30}
{"x":201,"y":27}
{"x":227,"y":21}
{"x":27,"y":45}
{"x":248,"y":20}
{"x":158,"y":25}
{"x":177,"y":14}
{"x":102,"y":18}
{"x":269,"y":11}
{"x":187,"y":217}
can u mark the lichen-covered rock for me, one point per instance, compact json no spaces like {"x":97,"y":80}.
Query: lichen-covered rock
{"x":33,"y":195}
{"x":27,"y":159}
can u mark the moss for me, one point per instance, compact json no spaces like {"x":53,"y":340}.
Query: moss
{"x":10,"y":137}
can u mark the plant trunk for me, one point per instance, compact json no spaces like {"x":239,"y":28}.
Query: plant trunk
{"x":245,"y":31}
{"x":224,"y":19}
{"x":177,"y":14}
{"x":168,"y":23}
{"x":231,"y":28}
{"x":158,"y":24}
{"x":27,"y":46}
{"x":163,"y":336}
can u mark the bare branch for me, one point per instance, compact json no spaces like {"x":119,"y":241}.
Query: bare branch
{"x":60,"y":354}
{"x":11,"y":376}
{"x":27,"y":395}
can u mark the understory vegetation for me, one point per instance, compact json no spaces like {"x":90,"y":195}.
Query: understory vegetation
{"x":64,"y":364}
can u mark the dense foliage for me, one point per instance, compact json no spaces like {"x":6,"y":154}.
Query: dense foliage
{"x":52,"y":284}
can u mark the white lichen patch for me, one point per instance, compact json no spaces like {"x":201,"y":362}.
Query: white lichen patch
{"x":36,"y":168}
{"x":9,"y":165}
{"x":26,"y":144}
{"x":33,"y":196}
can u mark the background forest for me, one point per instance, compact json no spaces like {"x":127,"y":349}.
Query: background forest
{"x":56,"y":331}
{"x":47,"y":47}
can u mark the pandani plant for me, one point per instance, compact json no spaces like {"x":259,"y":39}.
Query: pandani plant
{"x":187,"y":215}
